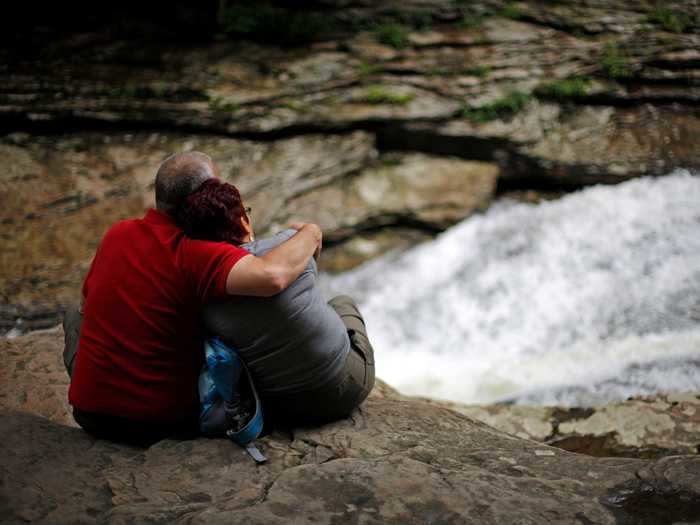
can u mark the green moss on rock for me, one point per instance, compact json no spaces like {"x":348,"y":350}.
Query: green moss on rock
{"x":574,"y":87}
{"x":503,"y":108}
{"x":615,"y":62}
{"x":381,"y":95}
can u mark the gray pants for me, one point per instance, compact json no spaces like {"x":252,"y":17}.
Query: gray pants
{"x":339,"y":398}
{"x":71,"y":330}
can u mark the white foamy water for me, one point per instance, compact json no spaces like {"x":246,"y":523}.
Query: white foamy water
{"x":589,"y":298}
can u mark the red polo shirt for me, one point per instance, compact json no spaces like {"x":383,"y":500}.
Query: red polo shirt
{"x":140,"y":349}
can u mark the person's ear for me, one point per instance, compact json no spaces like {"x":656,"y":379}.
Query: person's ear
{"x":245,"y":221}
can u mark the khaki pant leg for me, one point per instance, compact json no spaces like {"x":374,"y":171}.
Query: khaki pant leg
{"x":346,"y":308}
{"x":72,"y":321}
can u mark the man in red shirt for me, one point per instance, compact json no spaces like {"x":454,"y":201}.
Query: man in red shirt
{"x":139,"y":352}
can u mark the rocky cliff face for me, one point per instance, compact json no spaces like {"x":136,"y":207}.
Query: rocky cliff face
{"x":396,"y":460}
{"x":393,"y":122}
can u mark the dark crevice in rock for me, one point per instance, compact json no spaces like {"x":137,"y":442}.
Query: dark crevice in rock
{"x":22,"y":319}
{"x":604,"y":446}
{"x":652,"y":502}
{"x":580,"y":516}
{"x":522,"y":172}
{"x":633,"y":97}
{"x":538,"y":183}
{"x":380,"y":224}
{"x":457,"y":45}
{"x":51,"y":124}
{"x":569,"y":414}
{"x":63,"y":124}
{"x":596,"y":446}
{"x":519,"y":171}
{"x":633,"y":100}
{"x":559,"y":25}
{"x":657,"y":78}
{"x":677,"y":64}
{"x":427,"y":140}
{"x":266,"y":490}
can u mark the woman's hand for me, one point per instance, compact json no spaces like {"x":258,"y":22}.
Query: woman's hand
{"x":298,"y":226}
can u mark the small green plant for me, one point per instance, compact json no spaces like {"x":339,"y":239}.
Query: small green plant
{"x":263,"y":22}
{"x":126,"y":91}
{"x":295,"y":105}
{"x":390,"y":161}
{"x":478,"y":71}
{"x":160,"y":89}
{"x":393,"y":34}
{"x":669,"y":19}
{"x":419,"y":19}
{"x":471,"y":21}
{"x":502,"y":108}
{"x":222,"y":105}
{"x":380,"y":95}
{"x":615,"y":62}
{"x":574,"y":87}
{"x":366,"y":69}
{"x":511,"y":11}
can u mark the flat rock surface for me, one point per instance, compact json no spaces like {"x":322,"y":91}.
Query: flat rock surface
{"x":395,"y":460}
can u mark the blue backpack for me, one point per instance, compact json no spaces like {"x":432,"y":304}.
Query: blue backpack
{"x":230,"y":405}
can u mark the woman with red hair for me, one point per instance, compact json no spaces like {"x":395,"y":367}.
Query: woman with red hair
{"x":311,"y":360}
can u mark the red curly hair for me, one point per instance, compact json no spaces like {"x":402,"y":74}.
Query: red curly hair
{"x":213,"y":212}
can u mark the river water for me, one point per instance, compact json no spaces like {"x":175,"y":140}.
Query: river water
{"x":590,"y":298}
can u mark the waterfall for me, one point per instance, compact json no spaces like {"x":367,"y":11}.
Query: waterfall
{"x":586,"y":299}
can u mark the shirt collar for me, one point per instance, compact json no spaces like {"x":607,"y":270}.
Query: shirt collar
{"x":159,"y":217}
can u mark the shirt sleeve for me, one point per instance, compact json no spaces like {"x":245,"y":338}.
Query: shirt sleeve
{"x":207,"y":265}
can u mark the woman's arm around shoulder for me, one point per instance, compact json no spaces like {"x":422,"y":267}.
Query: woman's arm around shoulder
{"x":274,"y":271}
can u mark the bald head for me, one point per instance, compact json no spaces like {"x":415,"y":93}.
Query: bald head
{"x":179,"y":175}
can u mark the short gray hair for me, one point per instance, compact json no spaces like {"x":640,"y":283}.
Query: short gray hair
{"x":179,"y":175}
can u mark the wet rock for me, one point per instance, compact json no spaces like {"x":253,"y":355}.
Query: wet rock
{"x":366,"y":245}
{"x":648,"y":426}
{"x":527,"y":422}
{"x":401,"y":190}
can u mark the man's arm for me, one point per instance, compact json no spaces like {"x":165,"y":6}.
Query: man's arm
{"x":273,"y":272}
